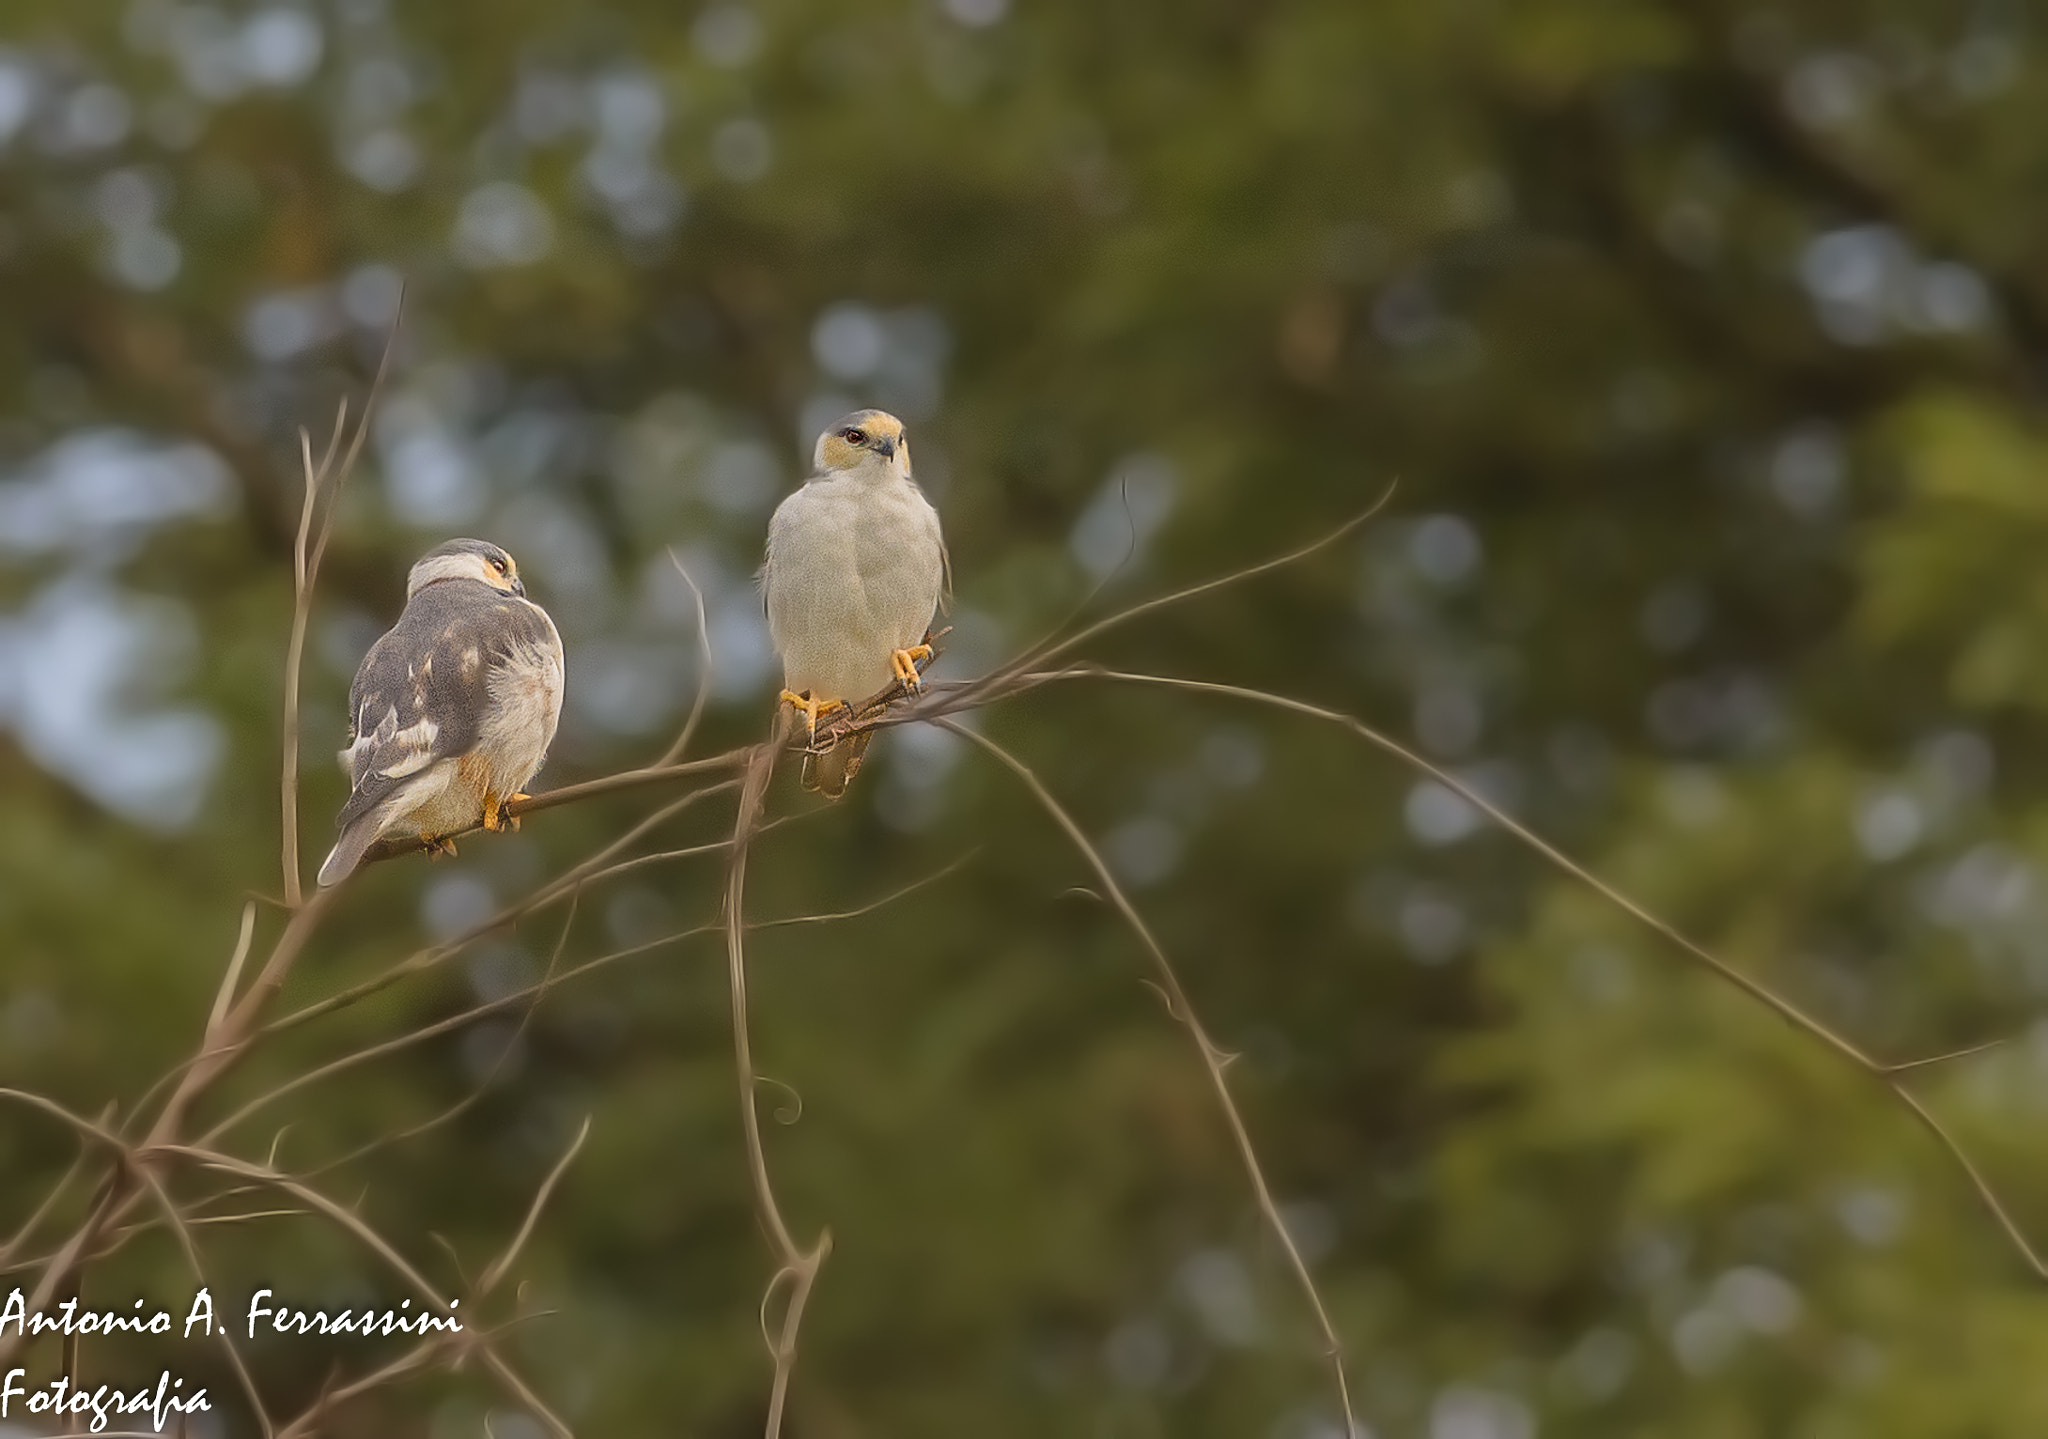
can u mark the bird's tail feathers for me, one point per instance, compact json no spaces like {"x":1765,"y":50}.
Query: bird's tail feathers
{"x":348,"y":851}
{"x":829,"y":773}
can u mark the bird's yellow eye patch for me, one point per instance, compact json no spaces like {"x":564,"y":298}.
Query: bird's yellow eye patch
{"x":858,"y":439}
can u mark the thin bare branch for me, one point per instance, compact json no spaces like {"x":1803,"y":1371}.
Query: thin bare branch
{"x":759,"y":772}
{"x":53,"y":1197}
{"x":799,"y":1265}
{"x":803,"y":1277}
{"x":85,"y":1128}
{"x":190,"y":1246}
{"x":295,"y":650}
{"x":586,"y":873}
{"x":1907,"y":1066}
{"x":247,"y":1216}
{"x":57,"y":1271}
{"x":227,"y":1043}
{"x":309,"y":1424}
{"x":523,"y":1392}
{"x":1214,"y":1059}
{"x":535,"y":992}
{"x":682,"y":744}
{"x":233,"y":978}
{"x":370,"y":1239}
{"x":1052,"y":651}
{"x":316,"y":525}
{"x":503,"y":1265}
{"x":1835,"y":1043}
{"x":732,"y":760}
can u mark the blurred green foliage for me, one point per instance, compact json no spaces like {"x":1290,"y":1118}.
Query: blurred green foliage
{"x":1706,"y":340}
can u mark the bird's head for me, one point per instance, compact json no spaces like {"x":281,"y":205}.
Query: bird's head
{"x":466,"y":560}
{"x":863,"y":439}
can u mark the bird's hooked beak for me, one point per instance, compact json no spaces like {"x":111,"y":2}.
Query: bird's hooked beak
{"x":518,"y":587}
{"x":885,"y":446}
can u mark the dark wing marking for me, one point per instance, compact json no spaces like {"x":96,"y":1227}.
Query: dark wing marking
{"x":422,"y":691}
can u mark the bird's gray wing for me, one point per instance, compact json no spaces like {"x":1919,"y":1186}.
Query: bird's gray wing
{"x":778,"y":525}
{"x":945,"y":558}
{"x":422,"y":691}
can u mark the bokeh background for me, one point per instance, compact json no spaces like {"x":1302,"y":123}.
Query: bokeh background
{"x":1707,"y":343}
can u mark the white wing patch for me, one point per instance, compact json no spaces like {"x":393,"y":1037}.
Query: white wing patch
{"x":419,"y":740}
{"x":414,"y":745}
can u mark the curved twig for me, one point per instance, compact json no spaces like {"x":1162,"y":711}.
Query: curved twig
{"x":1886,"y":1075}
{"x":799,"y":1265}
{"x":1214,"y":1059}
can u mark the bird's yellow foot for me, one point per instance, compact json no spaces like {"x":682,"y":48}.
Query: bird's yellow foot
{"x":905,"y":663}
{"x":495,"y":818}
{"x":810,"y":709}
{"x":438,"y":846}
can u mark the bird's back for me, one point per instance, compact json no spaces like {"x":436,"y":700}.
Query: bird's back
{"x":431,"y":686}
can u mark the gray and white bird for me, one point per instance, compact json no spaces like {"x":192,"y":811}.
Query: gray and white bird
{"x":452,"y":712}
{"x":856,"y":571}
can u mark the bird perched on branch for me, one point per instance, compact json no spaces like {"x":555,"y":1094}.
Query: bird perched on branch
{"x":856,"y":571}
{"x":452,"y":712}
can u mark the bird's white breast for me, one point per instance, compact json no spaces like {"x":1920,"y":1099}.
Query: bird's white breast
{"x":855,"y":566}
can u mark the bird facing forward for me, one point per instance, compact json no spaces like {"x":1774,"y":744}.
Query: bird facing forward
{"x":452,"y":712}
{"x":855,"y":573}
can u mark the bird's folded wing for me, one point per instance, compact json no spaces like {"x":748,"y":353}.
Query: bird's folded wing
{"x":423,"y":690}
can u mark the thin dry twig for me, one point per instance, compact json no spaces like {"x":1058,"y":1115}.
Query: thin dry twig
{"x":347,"y":1220}
{"x":295,"y":650}
{"x":190,"y":1247}
{"x":314,"y":1420}
{"x":1887,"y":1075}
{"x":631,"y":779}
{"x":682,"y":744}
{"x":233,"y":977}
{"x":52,"y":1198}
{"x":1182,"y":1008}
{"x":316,"y":525}
{"x":503,"y":1264}
{"x":799,"y":1266}
{"x":1052,"y":650}
{"x":530,"y":997}
{"x":407,"y":1040}
{"x":588,"y":872}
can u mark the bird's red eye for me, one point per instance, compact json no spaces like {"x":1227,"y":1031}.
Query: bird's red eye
{"x":854,"y":437}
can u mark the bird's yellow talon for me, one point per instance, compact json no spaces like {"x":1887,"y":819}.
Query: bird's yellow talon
{"x":495,"y":818}
{"x":810,"y":709}
{"x":905,"y":662}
